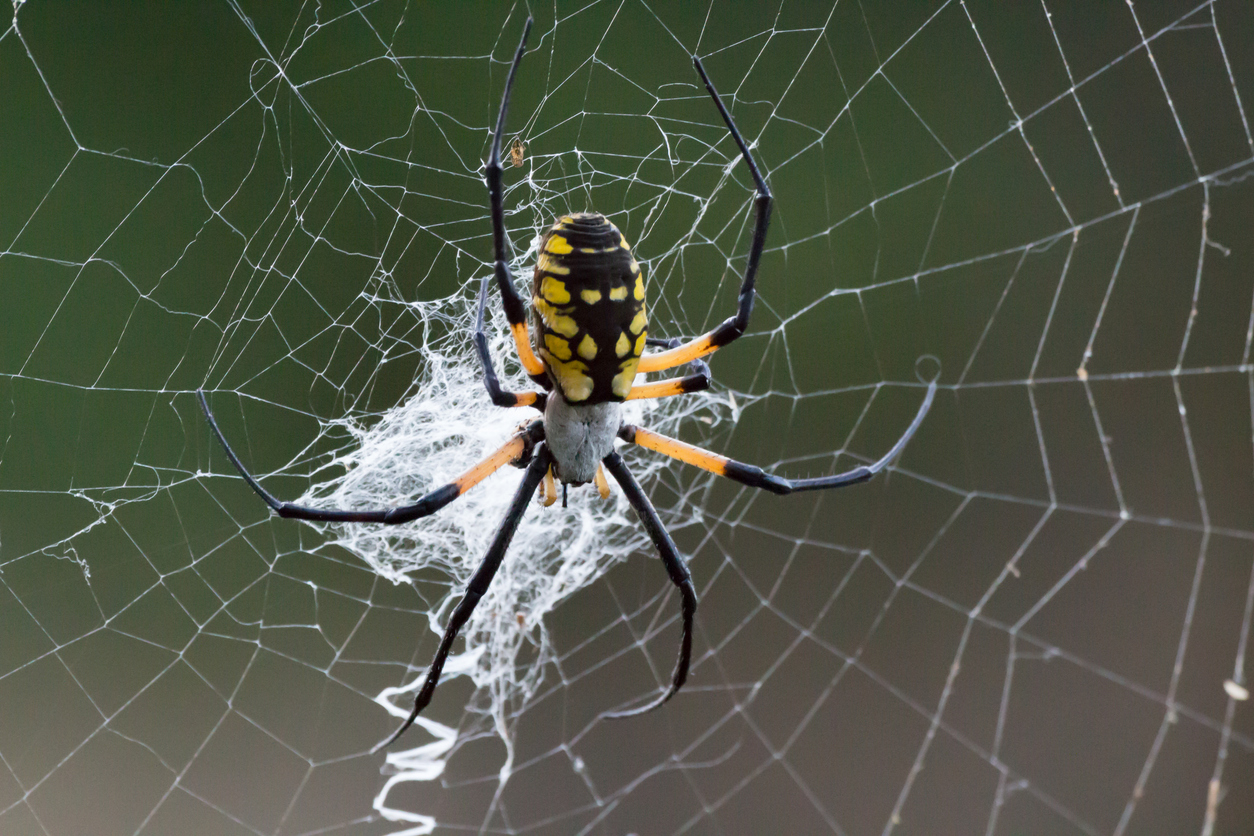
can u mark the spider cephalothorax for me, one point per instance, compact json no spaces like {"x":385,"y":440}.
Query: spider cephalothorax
{"x":589,"y":324}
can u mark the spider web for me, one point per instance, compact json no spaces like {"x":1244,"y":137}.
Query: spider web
{"x":1037,"y":621}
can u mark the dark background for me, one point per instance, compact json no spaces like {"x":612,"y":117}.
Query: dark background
{"x":1024,"y":628}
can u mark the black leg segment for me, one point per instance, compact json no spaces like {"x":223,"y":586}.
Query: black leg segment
{"x":756,"y":477}
{"x":499,"y":396}
{"x":478,"y":585}
{"x":517,"y":449}
{"x":515,"y":308}
{"x":734,"y":326}
{"x":675,"y":568}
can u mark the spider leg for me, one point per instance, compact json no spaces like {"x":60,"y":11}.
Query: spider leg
{"x":663,"y":342}
{"x":515,"y":309}
{"x":478,"y":585}
{"x":755,"y":477}
{"x":499,"y":396}
{"x":670,"y":386}
{"x":734,"y":326}
{"x":518,"y":448}
{"x":697,"y":382}
{"x":675,"y":567}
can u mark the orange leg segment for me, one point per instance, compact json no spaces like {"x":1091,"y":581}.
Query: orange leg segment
{"x":668,"y":387}
{"x":603,"y":486}
{"x":548,"y":488}
{"x":677,"y":449}
{"x":527,"y":399}
{"x":522,"y":341}
{"x":679,"y":355}
{"x":511,"y":451}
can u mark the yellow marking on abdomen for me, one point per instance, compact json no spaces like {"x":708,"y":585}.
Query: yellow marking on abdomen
{"x":587,"y":347}
{"x":623,"y":345}
{"x":639,"y":345}
{"x":571,"y":377}
{"x":638,"y":291}
{"x":618,"y":294}
{"x":558,"y":245}
{"x":621,"y":385}
{"x":549,"y":265}
{"x":638,"y":321}
{"x":560,"y":323}
{"x":557,"y":346}
{"x":554,"y":290}
{"x":591,"y":297}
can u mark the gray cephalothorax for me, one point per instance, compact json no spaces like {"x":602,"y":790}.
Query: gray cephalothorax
{"x":580,"y":436}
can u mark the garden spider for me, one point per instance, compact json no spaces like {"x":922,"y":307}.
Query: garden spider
{"x":584,"y":347}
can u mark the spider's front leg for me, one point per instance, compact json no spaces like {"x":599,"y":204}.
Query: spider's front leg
{"x":479,"y":583}
{"x":515,"y":308}
{"x":733,"y":327}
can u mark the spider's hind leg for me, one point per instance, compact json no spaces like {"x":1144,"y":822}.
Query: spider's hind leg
{"x":675,"y":568}
{"x":479,"y":583}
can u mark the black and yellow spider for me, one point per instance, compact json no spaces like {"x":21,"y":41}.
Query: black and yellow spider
{"x":588,"y":328}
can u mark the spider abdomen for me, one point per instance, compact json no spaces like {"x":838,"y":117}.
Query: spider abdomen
{"x":589,"y":315}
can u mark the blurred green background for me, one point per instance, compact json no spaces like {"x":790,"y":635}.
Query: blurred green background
{"x":1025,"y":628}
